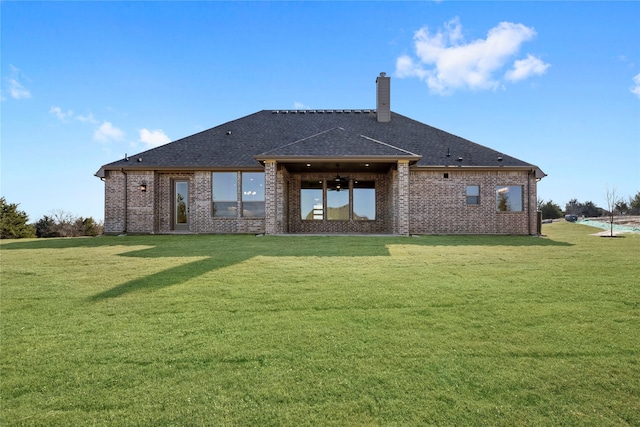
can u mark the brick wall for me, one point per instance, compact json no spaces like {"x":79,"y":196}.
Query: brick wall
{"x":403,"y":202}
{"x":438,"y":204}
{"x":431,"y":205}
{"x":282,"y":200}
{"x":271,"y":201}
{"x":138,"y":217}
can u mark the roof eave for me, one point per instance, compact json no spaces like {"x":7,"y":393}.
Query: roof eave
{"x":539,"y":174}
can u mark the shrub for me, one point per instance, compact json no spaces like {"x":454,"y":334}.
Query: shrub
{"x":13,"y":222}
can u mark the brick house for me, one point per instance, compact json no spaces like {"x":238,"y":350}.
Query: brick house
{"x":322,"y":171}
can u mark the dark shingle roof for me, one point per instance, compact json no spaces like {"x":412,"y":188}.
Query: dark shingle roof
{"x":337,"y":142}
{"x":315,"y":134}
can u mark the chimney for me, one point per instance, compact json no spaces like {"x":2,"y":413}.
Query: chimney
{"x":383,"y":98}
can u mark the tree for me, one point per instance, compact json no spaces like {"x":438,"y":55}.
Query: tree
{"x":550,"y":210}
{"x":588,"y":209}
{"x":634,"y":204}
{"x":13,"y":222}
{"x":87,"y":227}
{"x":63,"y":224}
{"x":46,"y":227}
{"x":573,"y":207}
{"x":612,"y":201}
{"x":622,"y":207}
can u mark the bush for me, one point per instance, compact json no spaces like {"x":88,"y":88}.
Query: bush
{"x":13,"y":223}
{"x":63,"y":224}
{"x":550,"y":210}
{"x":46,"y":227}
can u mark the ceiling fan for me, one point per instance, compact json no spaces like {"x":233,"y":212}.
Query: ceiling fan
{"x":339,"y":182}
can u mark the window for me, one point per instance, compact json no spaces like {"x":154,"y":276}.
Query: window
{"x":311,"y":202}
{"x":225,"y":194}
{"x":253,"y":194}
{"x":342,"y":202}
{"x":338,"y":200}
{"x":473,"y":194}
{"x":364,"y":200}
{"x":509,"y":198}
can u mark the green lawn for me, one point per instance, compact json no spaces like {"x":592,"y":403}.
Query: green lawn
{"x":344,"y":331}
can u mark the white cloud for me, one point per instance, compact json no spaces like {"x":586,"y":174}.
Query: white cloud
{"x":525,"y":68}
{"x":87,"y":119}
{"x":446,"y":62}
{"x":153,"y":138}
{"x":300,"y":106}
{"x":16,"y":89}
{"x":107,"y":132}
{"x":62,"y":115}
{"x":635,"y":89}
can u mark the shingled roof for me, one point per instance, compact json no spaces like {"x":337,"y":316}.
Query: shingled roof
{"x":242,"y":143}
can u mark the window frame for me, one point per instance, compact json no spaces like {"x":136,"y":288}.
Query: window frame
{"x":324,"y":188}
{"x":472,"y":199}
{"x":363,"y":185}
{"x":260,"y":203}
{"x":240,"y":202}
{"x":506,"y":189}
{"x":227,"y":204}
{"x":317,"y":214}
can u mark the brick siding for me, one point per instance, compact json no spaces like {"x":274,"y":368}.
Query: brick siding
{"x":408,"y":201}
{"x":438,"y":204}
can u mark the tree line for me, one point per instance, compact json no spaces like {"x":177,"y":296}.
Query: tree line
{"x":551,"y":210}
{"x":14,"y":224}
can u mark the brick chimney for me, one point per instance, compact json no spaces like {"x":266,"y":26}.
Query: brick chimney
{"x":383,"y":98}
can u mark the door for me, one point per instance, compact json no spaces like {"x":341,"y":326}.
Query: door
{"x":181,"y":205}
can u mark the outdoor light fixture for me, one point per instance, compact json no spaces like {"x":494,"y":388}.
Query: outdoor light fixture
{"x":143,"y":186}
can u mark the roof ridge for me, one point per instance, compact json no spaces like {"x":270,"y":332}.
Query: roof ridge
{"x":304,"y":139}
{"x":389,"y":145}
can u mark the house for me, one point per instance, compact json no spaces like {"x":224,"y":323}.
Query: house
{"x":322,"y":171}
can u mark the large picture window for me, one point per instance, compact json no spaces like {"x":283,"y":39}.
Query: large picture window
{"x":364,"y":200}
{"x":509,"y":198}
{"x":344,"y":202}
{"x":253,"y":194}
{"x":311,"y":201}
{"x":225,"y":194}
{"x":337,"y":200}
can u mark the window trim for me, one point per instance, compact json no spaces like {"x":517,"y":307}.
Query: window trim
{"x":239,"y":201}
{"x":506,"y":200}
{"x":470,"y":197}
{"x":325,"y":186}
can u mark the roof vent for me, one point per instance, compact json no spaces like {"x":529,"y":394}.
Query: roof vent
{"x":228,"y":132}
{"x":139,"y":159}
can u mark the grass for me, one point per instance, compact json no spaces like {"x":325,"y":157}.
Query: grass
{"x":345,"y":331}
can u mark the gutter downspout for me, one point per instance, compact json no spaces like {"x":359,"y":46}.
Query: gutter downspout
{"x":125,"y":200}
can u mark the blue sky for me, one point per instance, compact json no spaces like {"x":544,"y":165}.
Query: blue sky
{"x":556,"y":84}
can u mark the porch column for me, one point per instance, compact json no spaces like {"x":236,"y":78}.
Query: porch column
{"x":402,"y":204}
{"x":270,"y":205}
